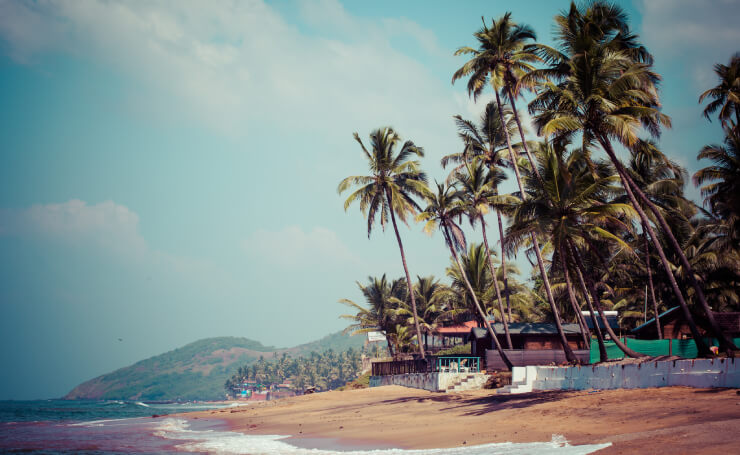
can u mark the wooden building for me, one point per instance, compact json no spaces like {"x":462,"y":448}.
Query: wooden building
{"x":533,"y":344}
{"x":674,"y":326}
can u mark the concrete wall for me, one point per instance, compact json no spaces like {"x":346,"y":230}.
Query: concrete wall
{"x":434,"y":382}
{"x":702,"y":373}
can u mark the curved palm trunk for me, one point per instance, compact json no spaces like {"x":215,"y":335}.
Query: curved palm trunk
{"x":597,"y":301}
{"x":494,"y":277}
{"x":701,"y":346}
{"x":650,"y":284}
{"x":556,"y":315}
{"x":603,"y":356}
{"x":448,"y":241}
{"x":503,"y":264}
{"x":521,"y":133}
{"x":571,"y":296}
{"x":725,"y":342}
{"x":408,"y":281}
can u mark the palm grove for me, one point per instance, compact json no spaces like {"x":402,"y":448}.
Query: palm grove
{"x":600,"y":208}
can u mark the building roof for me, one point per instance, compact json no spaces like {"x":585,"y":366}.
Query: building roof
{"x":652,"y":321}
{"x":526,"y":328}
{"x":611,"y":318}
{"x":460,"y":329}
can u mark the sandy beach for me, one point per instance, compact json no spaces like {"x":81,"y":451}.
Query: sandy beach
{"x":675,"y":419}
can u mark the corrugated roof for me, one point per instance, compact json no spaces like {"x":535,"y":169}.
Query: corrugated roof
{"x":526,"y":328}
{"x":652,"y":321}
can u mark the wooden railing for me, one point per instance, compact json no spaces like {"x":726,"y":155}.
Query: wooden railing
{"x":432,"y":364}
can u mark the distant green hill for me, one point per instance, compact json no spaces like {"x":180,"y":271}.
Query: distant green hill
{"x":196,"y":371}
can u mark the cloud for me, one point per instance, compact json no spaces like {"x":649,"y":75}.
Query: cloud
{"x":292,"y":247}
{"x":698,"y":33}
{"x":105,"y":224}
{"x":237,"y":66}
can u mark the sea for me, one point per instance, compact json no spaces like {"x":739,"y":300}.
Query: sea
{"x":54,"y":427}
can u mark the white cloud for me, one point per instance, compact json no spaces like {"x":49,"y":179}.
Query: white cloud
{"x":105,"y":224}
{"x":239,"y":65}
{"x":292,"y":247}
{"x":699,"y":33}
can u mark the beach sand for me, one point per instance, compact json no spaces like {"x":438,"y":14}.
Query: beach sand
{"x":672,"y":420}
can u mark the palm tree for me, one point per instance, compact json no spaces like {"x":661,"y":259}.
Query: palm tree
{"x":726,"y":94}
{"x":477,"y":187}
{"x":388,"y":191}
{"x":382,"y":298}
{"x":607,"y":95}
{"x":441,"y":210}
{"x":433,"y":299}
{"x":572,"y":204}
{"x":487,"y":142}
{"x":501,"y":59}
{"x":721,"y":181}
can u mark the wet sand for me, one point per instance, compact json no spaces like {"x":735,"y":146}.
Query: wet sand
{"x":673,"y":420}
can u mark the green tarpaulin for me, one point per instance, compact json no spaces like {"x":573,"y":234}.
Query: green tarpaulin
{"x":681,"y":348}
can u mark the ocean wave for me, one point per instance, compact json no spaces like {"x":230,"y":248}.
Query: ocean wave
{"x":227,"y":442}
{"x":139,"y":403}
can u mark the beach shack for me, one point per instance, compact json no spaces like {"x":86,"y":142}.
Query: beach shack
{"x":674,"y":326}
{"x":532,"y":343}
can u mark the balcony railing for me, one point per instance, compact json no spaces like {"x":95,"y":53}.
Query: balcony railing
{"x":445,"y":364}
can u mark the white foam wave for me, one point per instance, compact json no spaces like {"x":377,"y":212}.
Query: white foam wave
{"x":228,"y":443}
{"x":139,"y":403}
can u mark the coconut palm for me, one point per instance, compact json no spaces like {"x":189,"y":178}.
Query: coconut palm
{"x":433,"y":300}
{"x":721,"y":181}
{"x":383,"y":299}
{"x":725,"y":95}
{"x":486,"y":141}
{"x":572,"y":205}
{"x":388,"y":191}
{"x":607,"y":95}
{"x":441,"y":210}
{"x":502,"y":58}
{"x":477,"y":187}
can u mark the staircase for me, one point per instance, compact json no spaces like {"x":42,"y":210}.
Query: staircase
{"x":522,"y":379}
{"x":472,"y":381}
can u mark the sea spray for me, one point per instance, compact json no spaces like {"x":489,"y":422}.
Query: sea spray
{"x":228,"y":442}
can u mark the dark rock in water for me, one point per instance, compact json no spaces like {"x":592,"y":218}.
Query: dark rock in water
{"x":154,"y":416}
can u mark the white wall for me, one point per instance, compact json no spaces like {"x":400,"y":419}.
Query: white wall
{"x":702,"y":373}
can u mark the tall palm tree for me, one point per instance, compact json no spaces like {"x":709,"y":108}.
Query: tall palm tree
{"x":605,"y":94}
{"x":441,"y":210}
{"x":572,"y":204}
{"x":502,"y":58}
{"x":721,"y":181}
{"x":477,"y":189}
{"x":486,"y":141}
{"x":726,"y":94}
{"x":388,"y":191}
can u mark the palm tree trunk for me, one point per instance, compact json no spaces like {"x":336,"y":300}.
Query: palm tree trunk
{"x":513,"y":156}
{"x":503,"y":264}
{"x":650,"y":284}
{"x":597,"y":301}
{"x":603,"y":356}
{"x":521,"y":133}
{"x":448,"y":241}
{"x":725,"y":342}
{"x":408,"y":279}
{"x":571,"y":296}
{"x":495,"y":282}
{"x":700,"y":345}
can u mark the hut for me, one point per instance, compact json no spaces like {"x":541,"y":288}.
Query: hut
{"x":532,"y":343}
{"x":674,"y":326}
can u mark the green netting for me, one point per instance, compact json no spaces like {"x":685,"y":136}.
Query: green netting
{"x":652,"y":348}
{"x":681,"y":348}
{"x":685,"y":348}
{"x":612,"y":351}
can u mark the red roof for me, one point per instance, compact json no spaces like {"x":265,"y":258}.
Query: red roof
{"x":463,"y":328}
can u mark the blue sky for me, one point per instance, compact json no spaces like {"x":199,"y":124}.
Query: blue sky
{"x":168,"y":170}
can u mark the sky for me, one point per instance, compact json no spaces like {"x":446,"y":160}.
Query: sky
{"x":168,"y":170}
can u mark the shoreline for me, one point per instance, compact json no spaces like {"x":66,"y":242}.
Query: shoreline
{"x":677,"y":418}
